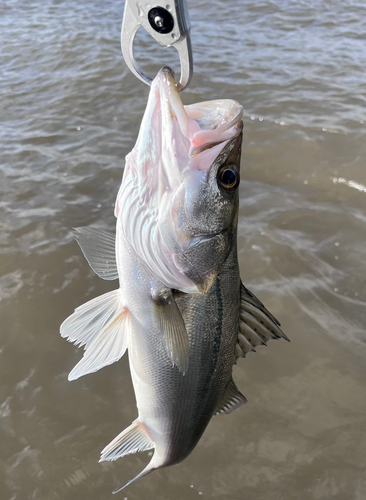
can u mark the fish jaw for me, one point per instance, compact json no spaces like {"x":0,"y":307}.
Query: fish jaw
{"x":165,"y":175}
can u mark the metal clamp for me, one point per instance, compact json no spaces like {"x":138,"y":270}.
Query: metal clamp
{"x":168,"y":25}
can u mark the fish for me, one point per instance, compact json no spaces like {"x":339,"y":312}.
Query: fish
{"x":181,"y":310}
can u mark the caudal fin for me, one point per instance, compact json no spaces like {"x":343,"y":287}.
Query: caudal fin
{"x":102,"y":325}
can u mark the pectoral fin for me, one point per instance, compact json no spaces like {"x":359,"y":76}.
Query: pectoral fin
{"x":231,"y":399}
{"x":99,"y":250}
{"x":257,"y":325}
{"x":172,"y":327}
{"x":101,"y":325}
{"x":108,"y":347}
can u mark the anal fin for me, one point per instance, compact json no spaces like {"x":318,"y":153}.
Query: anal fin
{"x":231,"y":399}
{"x":134,"y":438}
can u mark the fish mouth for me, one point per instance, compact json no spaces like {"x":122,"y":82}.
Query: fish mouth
{"x":165,"y":81}
{"x":174,"y":137}
{"x":207,"y":125}
{"x":218,"y":115}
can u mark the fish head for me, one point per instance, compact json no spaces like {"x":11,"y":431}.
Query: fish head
{"x":178,"y":202}
{"x":202,"y":219}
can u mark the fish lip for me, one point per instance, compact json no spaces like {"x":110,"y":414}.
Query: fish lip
{"x":175,"y":101}
{"x":169,"y":72}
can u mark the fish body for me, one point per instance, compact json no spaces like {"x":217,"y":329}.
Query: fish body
{"x":181,"y":309}
{"x":175,"y":408}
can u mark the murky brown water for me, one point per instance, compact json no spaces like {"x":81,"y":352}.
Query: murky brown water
{"x":69,"y":113}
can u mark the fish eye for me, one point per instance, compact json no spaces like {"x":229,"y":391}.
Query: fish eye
{"x":228,"y":177}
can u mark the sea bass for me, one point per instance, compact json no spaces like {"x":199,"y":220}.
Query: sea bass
{"x":181,"y":309}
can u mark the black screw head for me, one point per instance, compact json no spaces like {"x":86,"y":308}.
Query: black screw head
{"x":161,"y":20}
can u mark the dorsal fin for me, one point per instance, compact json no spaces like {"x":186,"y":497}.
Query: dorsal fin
{"x":256,"y":326}
{"x":231,"y":399}
{"x":99,"y":250}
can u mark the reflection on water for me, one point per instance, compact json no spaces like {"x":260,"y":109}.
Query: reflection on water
{"x":70,"y":112}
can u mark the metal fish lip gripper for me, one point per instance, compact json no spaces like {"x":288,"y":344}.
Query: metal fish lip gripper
{"x":169,"y":25}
